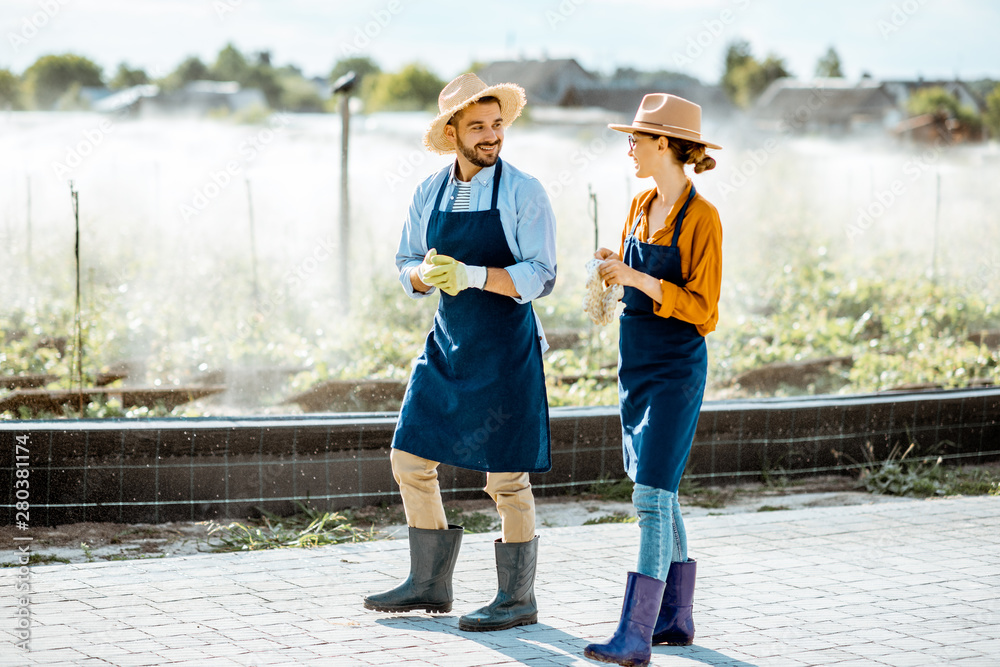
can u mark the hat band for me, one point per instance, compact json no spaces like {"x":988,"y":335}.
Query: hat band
{"x":671,"y":128}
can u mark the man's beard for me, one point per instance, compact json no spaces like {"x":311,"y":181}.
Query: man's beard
{"x":470,"y":154}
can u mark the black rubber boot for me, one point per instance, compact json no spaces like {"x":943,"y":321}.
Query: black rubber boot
{"x":433,"y":554}
{"x":514,"y":603}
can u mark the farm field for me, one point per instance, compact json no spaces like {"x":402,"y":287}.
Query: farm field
{"x":208,"y":257}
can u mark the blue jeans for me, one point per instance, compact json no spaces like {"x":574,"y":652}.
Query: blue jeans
{"x":662,"y":539}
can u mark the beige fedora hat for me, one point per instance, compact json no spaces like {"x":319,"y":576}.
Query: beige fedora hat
{"x":667,"y":115}
{"x":460,"y":93}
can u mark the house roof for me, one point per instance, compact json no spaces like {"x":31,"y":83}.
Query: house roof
{"x":627,"y":99}
{"x":823,"y":100}
{"x":544,"y":81}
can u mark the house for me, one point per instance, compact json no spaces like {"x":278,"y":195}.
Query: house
{"x":827,"y":105}
{"x":626,"y":98}
{"x":934,"y":128}
{"x":200,"y":98}
{"x":564,"y":83}
{"x":127,"y":100}
{"x":902,"y":91}
{"x":546,"y":82}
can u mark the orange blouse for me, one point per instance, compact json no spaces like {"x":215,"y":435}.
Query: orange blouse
{"x":700,"y":244}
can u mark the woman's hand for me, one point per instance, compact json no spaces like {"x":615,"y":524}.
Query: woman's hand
{"x":604,"y":253}
{"x":616,"y":272}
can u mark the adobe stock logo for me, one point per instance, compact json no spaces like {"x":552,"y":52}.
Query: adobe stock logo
{"x":32,"y":25}
{"x":472,"y":442}
{"x":363,"y":35}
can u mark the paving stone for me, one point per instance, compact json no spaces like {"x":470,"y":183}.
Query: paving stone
{"x":825,"y":586}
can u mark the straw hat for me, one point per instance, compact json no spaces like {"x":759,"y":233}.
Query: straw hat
{"x":460,"y":93}
{"x":669,"y":116}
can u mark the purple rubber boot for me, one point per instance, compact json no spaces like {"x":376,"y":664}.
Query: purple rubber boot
{"x":631,"y":644}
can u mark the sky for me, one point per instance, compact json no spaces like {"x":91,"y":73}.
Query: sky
{"x":894,"y":39}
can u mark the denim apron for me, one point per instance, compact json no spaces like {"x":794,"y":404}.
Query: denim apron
{"x":476,"y":397}
{"x":662,"y":368}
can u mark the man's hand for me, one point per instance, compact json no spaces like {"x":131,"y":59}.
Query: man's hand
{"x":429,"y":264}
{"x":448,"y":275}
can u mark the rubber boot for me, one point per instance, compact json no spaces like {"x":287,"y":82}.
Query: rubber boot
{"x":433,"y":554}
{"x":514,"y":603}
{"x":674,"y":626}
{"x":631,"y":644}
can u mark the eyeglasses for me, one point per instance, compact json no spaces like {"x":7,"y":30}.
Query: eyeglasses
{"x":631,"y":142}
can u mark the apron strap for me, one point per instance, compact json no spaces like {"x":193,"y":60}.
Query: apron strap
{"x":444,"y":186}
{"x":635,"y":226}
{"x":680,"y":217}
{"x":496,"y":184}
{"x":496,"y":188}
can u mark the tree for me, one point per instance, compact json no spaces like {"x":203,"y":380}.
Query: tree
{"x":362,"y":66}
{"x":126,"y":77}
{"x":412,"y":88}
{"x":299,"y":94}
{"x":50,"y":77}
{"x":944,"y":105}
{"x":829,"y":65}
{"x":230,"y":65}
{"x":745,"y":78}
{"x":192,"y":69}
{"x":992,"y":116}
{"x":10,"y":90}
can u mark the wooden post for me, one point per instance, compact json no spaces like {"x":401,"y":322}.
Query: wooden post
{"x":593,"y":213}
{"x":345,"y":207}
{"x":253,"y":248}
{"x":77,"y":317}
{"x":28,"y":222}
{"x":937,"y":218}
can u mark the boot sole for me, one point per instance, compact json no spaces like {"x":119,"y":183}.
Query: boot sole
{"x":430,"y":608}
{"x":531,"y":620}
{"x":600,"y":658}
{"x":667,"y":642}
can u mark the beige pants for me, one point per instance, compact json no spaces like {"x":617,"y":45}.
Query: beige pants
{"x":418,"y":485}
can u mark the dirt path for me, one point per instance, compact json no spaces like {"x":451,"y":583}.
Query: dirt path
{"x":89,"y":542}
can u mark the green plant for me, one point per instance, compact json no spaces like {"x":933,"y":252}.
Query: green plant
{"x":308,"y":528}
{"x":38,"y":559}
{"x":615,"y":490}
{"x":614,"y":517}
{"x":923,"y":475}
{"x":772,"y":508}
{"x":88,"y":552}
{"x":473,"y":522}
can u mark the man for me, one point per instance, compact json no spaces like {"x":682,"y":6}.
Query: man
{"x":483,"y":233}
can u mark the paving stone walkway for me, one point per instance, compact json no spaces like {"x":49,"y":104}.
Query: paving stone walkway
{"x":910,"y":583}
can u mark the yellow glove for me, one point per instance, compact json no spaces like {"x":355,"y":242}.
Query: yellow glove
{"x":428,"y":265}
{"x":448,"y":275}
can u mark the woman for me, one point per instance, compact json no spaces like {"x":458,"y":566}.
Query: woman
{"x":670,"y":264}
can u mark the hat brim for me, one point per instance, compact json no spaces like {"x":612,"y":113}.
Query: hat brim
{"x":512,"y":101}
{"x":677,"y":134}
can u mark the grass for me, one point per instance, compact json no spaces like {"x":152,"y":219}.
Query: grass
{"x":306,"y":529}
{"x":473,"y":522}
{"x":709,"y":498}
{"x":38,"y":559}
{"x":614,"y":517}
{"x":612,"y":489}
{"x":772,"y":508}
{"x":923,"y":476}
